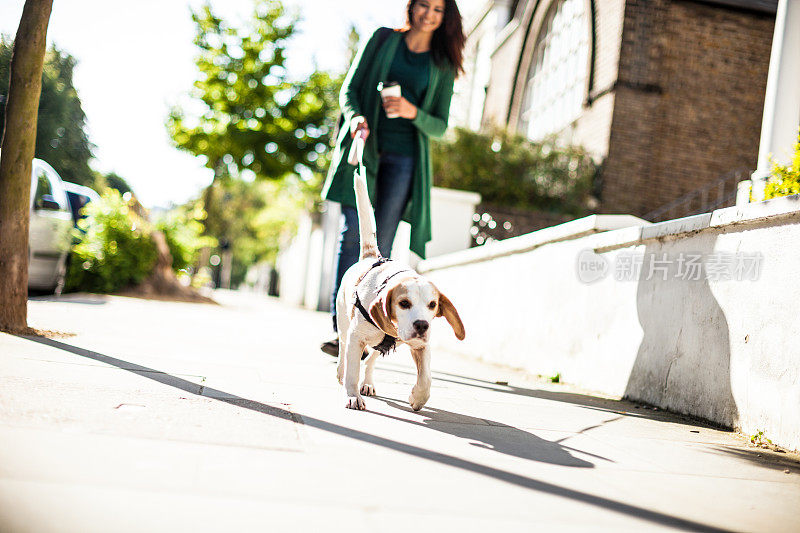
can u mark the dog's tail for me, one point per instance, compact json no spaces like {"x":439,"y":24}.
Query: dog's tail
{"x":366,"y":216}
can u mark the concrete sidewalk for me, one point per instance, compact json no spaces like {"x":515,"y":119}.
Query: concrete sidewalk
{"x":159,"y":416}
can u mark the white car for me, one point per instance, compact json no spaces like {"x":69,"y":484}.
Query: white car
{"x":78,"y":196}
{"x":50,"y":230}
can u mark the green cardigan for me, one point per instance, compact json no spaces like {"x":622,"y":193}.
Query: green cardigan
{"x":360,"y":96}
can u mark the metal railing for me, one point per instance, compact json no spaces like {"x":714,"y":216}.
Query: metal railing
{"x":713,"y":195}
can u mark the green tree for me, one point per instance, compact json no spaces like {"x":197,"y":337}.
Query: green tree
{"x":353,"y":40}
{"x":61,"y":137}
{"x":252,"y":120}
{"x":183,"y":231}
{"x":112,"y":180}
{"x":253,"y":217}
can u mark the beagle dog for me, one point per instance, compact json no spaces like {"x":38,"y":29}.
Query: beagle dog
{"x":381,"y":303}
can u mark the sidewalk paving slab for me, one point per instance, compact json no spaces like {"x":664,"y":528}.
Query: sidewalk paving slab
{"x":159,"y":416}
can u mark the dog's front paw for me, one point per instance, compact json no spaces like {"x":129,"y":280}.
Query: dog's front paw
{"x":418,"y":399}
{"x":340,"y":375}
{"x":416,"y":404}
{"x":356,"y":402}
{"x":368,"y":389}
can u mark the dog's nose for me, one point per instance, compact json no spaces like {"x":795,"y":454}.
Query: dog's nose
{"x":420,"y":326}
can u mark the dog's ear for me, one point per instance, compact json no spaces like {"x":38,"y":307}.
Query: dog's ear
{"x":448,"y":311}
{"x":382,"y":312}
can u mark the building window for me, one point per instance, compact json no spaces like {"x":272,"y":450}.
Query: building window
{"x":556,"y":82}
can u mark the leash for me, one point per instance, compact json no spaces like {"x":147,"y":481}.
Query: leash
{"x":356,"y":158}
{"x":356,"y":155}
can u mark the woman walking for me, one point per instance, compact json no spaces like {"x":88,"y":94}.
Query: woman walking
{"x":424,"y":58}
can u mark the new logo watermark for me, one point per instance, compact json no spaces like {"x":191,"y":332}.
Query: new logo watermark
{"x":591,"y":266}
{"x":686,"y":266}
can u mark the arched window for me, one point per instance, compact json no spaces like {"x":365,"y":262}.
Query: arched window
{"x":556,"y":82}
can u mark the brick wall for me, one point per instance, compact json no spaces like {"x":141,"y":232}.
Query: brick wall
{"x":688,"y":103}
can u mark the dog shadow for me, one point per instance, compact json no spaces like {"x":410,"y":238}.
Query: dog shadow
{"x":491,"y":435}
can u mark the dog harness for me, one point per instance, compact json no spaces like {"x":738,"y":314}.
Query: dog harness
{"x":388,"y":343}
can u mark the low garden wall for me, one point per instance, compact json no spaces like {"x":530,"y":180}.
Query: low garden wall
{"x":698,"y":315}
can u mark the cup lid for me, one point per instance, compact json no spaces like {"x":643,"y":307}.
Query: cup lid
{"x":386,"y":84}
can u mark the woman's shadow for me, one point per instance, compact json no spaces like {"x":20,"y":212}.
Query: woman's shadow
{"x":491,"y":435}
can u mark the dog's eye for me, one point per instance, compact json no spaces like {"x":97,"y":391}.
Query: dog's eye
{"x":432,"y":305}
{"x":405,"y":304}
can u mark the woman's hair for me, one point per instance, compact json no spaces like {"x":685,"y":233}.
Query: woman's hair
{"x":448,"y":40}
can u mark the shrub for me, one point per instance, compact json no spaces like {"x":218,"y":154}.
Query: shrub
{"x":183,"y":231}
{"x":785,"y":180}
{"x":508,"y":170}
{"x":116,"y":250}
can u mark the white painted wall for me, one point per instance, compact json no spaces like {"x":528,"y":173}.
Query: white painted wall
{"x":451,"y":220}
{"x":293,"y":262}
{"x":314,"y":269}
{"x":723,"y":350}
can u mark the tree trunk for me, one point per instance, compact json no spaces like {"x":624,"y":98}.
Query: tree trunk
{"x":18,"y":146}
{"x":226,"y":269}
{"x":208,"y":195}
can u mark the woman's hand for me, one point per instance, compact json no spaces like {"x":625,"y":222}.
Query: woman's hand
{"x":397,"y":105}
{"x":357,"y":125}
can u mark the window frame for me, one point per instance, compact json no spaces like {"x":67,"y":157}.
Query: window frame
{"x":56,"y":192}
{"x":542,"y":71}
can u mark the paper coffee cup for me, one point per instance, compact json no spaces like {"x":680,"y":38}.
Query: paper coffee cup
{"x":390,"y":88}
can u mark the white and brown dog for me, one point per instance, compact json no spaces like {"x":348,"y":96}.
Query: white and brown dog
{"x":380,"y":303}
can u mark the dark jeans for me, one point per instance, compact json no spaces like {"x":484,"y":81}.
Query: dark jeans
{"x":393,"y":189}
